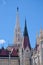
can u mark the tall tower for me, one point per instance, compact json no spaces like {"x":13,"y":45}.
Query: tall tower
{"x":26,"y":47}
{"x":17,"y":38}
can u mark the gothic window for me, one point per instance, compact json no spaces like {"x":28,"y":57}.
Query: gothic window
{"x":18,"y":29}
{"x":18,"y":37}
{"x":27,"y":50}
{"x":17,"y":50}
{"x":18,"y":45}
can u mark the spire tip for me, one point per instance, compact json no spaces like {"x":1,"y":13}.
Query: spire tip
{"x":17,"y":8}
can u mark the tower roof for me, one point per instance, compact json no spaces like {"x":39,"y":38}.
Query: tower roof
{"x":26,"y":37}
{"x":25,"y":29}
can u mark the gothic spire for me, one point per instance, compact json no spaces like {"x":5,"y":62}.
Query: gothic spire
{"x":17,"y":18}
{"x":17,"y":37}
{"x":25,"y":29}
{"x":26,"y":37}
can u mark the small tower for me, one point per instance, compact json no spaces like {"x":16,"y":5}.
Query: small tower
{"x":26,"y":47}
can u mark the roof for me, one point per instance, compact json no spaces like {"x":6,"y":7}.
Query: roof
{"x":15,"y":52}
{"x":25,"y":30}
{"x":26,"y":42}
{"x":5,"y":53}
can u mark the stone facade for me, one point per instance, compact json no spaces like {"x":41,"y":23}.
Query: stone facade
{"x":7,"y":61}
{"x":38,"y":51}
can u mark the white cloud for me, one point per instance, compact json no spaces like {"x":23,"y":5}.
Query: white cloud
{"x":2,"y":41}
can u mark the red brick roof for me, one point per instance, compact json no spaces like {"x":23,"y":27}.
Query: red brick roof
{"x":26,"y":42}
{"x":14,"y":52}
{"x":5,"y":52}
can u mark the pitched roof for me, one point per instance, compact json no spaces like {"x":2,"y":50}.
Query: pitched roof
{"x":25,"y":30}
{"x":14,"y":52}
{"x":5,"y":53}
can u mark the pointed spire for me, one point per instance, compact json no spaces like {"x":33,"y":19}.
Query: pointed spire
{"x":17,"y":18}
{"x":17,"y":37}
{"x":25,"y":29}
{"x":26,"y":37}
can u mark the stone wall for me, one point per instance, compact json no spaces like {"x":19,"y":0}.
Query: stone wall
{"x":7,"y":61}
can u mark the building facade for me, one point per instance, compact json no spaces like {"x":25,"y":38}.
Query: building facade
{"x":21,"y":53}
{"x":38,"y":51}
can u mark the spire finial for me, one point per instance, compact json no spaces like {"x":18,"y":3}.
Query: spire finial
{"x":17,"y":8}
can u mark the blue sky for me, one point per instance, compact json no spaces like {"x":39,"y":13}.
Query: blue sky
{"x":32,"y":10}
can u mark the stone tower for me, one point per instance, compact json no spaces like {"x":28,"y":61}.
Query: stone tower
{"x":18,"y":36}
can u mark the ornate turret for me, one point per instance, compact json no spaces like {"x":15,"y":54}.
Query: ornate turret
{"x":17,"y":38}
{"x":17,"y":19}
{"x":26,"y":37}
